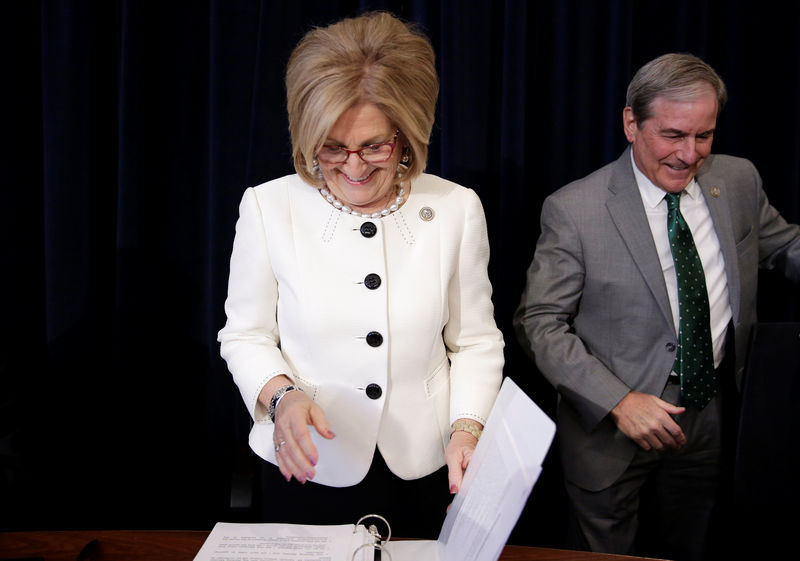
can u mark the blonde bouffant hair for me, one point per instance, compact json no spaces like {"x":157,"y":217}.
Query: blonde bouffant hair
{"x":374,"y":58}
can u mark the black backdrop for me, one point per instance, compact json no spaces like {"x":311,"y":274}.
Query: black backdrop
{"x":131,"y":128}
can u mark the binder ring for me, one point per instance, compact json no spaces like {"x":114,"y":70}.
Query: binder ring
{"x":382,"y":519}
{"x":373,"y":531}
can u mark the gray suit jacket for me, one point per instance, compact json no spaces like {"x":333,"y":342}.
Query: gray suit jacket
{"x":595,"y":312}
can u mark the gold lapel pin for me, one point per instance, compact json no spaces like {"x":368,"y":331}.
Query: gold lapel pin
{"x":715,"y":191}
{"x":426,"y":213}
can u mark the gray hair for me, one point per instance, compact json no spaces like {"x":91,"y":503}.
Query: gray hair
{"x":675,"y":76}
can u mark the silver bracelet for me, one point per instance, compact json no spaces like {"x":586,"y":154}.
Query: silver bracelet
{"x":276,"y":398}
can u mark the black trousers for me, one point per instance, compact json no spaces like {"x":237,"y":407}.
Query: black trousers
{"x":414,"y":509}
{"x":669,"y":504}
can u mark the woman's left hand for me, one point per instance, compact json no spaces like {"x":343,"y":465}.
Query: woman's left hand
{"x":457,"y":456}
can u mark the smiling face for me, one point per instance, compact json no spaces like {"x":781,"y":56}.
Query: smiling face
{"x":671,"y":145}
{"x":356,"y":183}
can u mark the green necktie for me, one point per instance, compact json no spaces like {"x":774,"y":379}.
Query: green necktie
{"x":694,"y":362}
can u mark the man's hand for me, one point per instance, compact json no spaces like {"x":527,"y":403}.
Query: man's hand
{"x":646,"y":420}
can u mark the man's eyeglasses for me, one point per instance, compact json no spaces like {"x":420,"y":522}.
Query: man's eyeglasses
{"x":372,"y":153}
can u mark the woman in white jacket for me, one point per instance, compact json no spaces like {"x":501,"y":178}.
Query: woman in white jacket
{"x":360,"y":326}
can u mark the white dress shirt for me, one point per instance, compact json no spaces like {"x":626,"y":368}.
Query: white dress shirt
{"x":695,"y":212}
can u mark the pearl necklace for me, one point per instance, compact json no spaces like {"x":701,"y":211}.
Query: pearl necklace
{"x":337,"y":204}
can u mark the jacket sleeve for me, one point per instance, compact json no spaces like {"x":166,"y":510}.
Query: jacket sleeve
{"x":544,"y":320}
{"x":779,"y":241}
{"x":473,"y":341}
{"x":250,"y":338}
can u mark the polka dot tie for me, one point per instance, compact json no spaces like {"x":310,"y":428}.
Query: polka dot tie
{"x":694,"y":362}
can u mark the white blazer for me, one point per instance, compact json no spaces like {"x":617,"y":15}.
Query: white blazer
{"x":303,"y":301}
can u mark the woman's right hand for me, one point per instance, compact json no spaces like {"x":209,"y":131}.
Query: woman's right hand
{"x":294,"y":449}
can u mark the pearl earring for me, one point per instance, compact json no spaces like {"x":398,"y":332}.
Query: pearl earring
{"x":402,"y":170}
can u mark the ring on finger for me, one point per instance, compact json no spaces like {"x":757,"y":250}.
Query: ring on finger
{"x":278,"y":446}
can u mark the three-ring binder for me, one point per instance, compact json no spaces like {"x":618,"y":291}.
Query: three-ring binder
{"x":378,"y":542}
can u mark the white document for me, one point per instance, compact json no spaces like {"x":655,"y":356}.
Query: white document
{"x":286,"y":542}
{"x":496,"y":486}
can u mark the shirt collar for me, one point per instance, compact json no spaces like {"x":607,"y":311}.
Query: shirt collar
{"x":652,"y":195}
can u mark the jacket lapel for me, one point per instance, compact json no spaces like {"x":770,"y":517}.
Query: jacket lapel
{"x":718,"y":202}
{"x":627,"y":211}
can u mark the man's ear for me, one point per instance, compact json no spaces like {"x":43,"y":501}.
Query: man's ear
{"x":629,"y":124}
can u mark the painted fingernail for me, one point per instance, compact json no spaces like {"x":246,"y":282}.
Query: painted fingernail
{"x":453,"y":489}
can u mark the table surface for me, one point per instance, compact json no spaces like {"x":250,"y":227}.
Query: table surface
{"x":134,"y":545}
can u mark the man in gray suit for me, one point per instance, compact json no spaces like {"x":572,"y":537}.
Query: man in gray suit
{"x":606,"y":317}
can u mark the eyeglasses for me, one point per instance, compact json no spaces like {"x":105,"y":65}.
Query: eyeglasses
{"x":371,"y":154}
